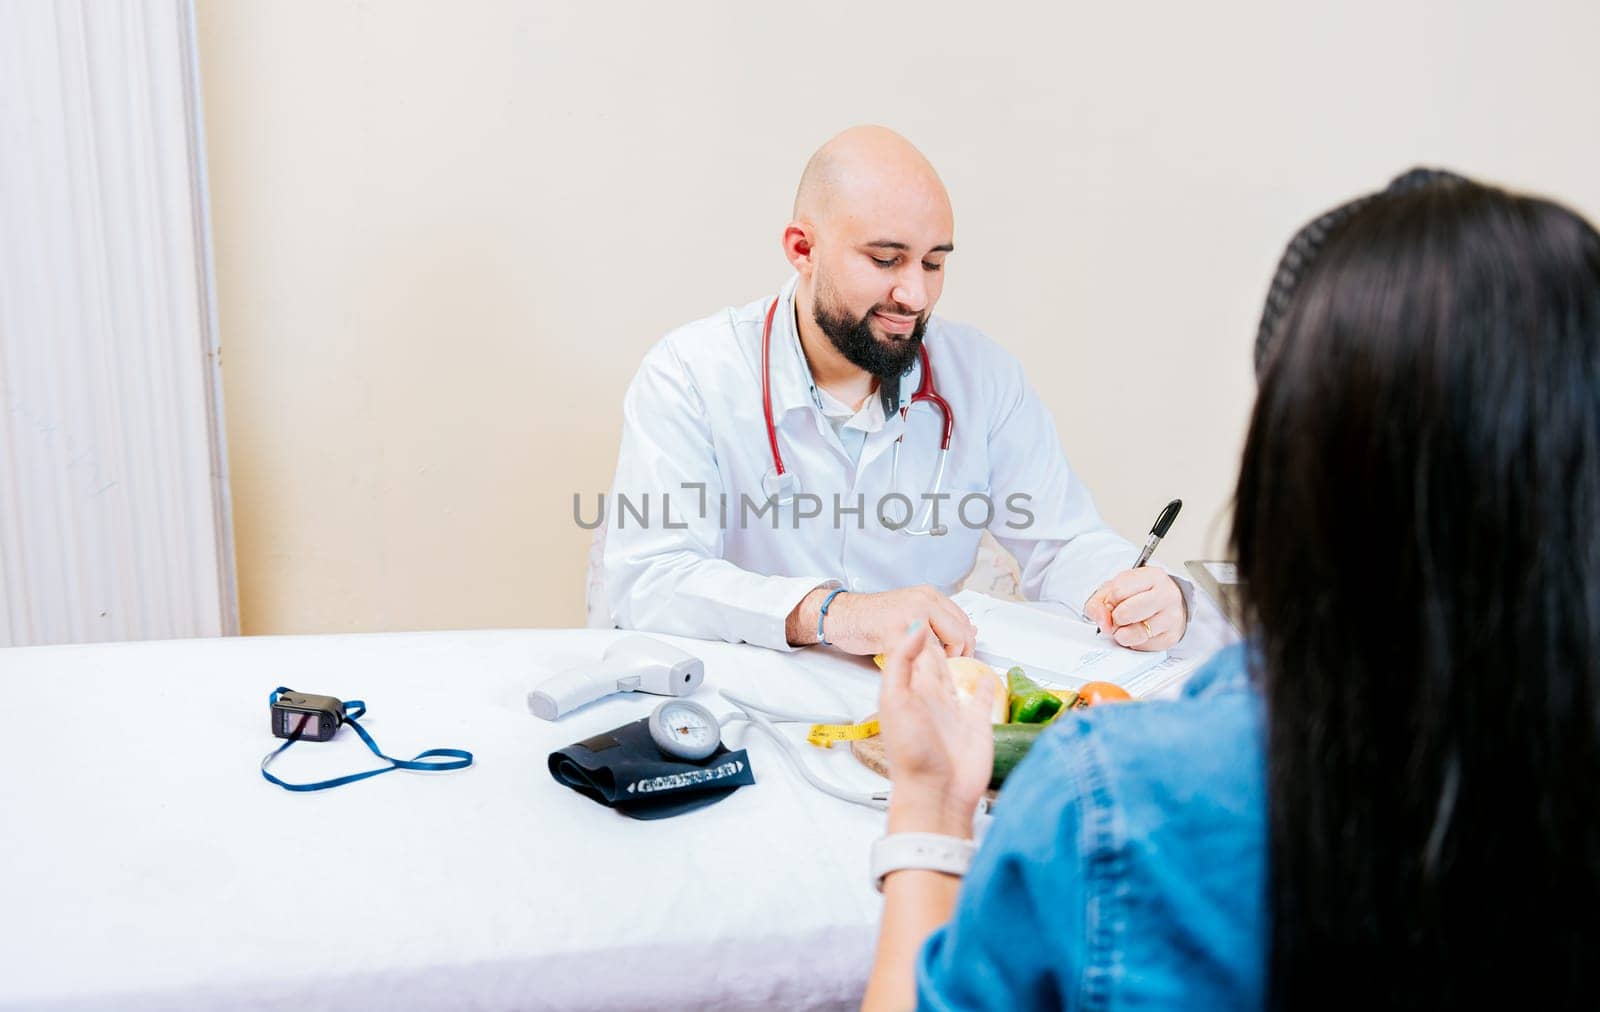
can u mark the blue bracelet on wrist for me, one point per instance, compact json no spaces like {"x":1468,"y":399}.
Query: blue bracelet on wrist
{"x":824,"y":613}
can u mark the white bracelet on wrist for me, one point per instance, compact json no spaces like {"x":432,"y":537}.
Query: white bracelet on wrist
{"x":923,"y":851}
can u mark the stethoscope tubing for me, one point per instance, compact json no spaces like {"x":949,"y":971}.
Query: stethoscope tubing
{"x":925,"y":391}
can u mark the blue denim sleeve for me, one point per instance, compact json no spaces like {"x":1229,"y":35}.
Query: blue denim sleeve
{"x":1017,"y":937}
{"x":1228,"y":670}
{"x":1043,"y":918}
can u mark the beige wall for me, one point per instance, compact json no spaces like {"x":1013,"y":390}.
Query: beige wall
{"x":446,"y":232}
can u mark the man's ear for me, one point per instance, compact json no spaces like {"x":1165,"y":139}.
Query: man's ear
{"x":798,"y":247}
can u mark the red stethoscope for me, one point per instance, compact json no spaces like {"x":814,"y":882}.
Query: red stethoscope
{"x":779,"y":483}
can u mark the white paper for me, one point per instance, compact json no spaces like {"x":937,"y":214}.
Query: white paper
{"x":1058,"y":650}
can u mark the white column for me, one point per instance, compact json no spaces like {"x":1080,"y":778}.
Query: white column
{"x":114,"y":510}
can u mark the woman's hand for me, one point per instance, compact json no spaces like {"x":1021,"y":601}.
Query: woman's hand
{"x":940,"y":750}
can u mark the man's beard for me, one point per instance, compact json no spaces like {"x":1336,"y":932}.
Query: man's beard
{"x":886,"y":359}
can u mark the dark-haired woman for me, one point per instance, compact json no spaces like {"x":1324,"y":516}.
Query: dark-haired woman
{"x":1390,"y":797}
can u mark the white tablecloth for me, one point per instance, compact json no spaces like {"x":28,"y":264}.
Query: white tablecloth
{"x":144,"y":862}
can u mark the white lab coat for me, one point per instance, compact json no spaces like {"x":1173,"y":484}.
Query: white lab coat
{"x":693,"y":414}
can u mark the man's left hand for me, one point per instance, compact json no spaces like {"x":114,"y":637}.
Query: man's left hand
{"x":1141,"y":608}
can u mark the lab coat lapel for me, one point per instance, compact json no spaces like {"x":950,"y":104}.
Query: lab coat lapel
{"x":791,"y":380}
{"x":793,"y":409}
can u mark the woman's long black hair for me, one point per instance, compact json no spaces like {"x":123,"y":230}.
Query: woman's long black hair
{"x":1417,"y":524}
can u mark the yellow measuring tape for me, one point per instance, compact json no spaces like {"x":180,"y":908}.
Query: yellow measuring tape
{"x":824,"y":735}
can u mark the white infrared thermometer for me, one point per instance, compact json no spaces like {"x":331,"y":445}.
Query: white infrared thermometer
{"x":631,"y":664}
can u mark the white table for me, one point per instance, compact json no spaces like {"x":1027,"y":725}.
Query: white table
{"x":146,"y":863}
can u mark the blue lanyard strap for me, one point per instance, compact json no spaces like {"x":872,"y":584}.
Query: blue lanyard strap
{"x":353,"y":708}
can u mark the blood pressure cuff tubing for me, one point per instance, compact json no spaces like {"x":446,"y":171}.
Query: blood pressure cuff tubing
{"x":624,"y":769}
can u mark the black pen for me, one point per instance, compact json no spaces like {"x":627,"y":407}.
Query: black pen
{"x":1159,"y":530}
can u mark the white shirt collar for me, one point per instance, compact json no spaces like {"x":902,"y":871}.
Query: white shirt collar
{"x":868,"y":418}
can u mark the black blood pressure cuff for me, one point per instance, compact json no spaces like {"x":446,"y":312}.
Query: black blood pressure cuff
{"x":623,"y":769}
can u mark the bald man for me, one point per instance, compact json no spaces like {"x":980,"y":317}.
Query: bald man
{"x":782,"y":479}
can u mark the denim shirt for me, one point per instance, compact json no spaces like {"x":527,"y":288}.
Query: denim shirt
{"x":1125,"y":867}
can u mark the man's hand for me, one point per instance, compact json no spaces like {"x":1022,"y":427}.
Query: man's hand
{"x":940,"y":751}
{"x":1141,"y":608}
{"x":872,"y":623}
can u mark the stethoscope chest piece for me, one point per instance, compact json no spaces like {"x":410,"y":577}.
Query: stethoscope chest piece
{"x":778,"y":487}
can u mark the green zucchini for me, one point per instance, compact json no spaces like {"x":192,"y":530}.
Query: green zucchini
{"x":1011,"y":743}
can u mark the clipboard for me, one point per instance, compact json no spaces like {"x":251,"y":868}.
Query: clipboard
{"x":1219,"y":581}
{"x":1057,"y":649}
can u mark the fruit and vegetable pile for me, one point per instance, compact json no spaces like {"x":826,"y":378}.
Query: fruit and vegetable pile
{"x":1031,"y":708}
{"x":1022,"y":707}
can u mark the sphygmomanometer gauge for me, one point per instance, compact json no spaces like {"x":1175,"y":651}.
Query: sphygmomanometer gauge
{"x":684,"y":729}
